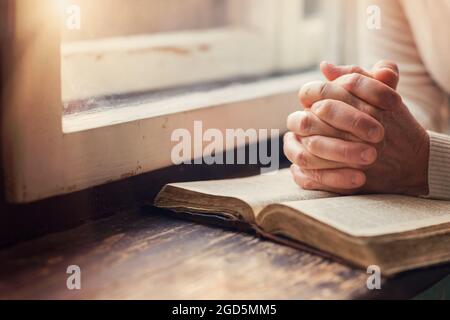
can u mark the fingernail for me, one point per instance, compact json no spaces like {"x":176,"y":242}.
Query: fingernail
{"x":328,"y":64}
{"x":369,"y":155}
{"x":374,"y":133}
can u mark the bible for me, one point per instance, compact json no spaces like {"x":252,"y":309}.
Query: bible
{"x":396,"y":233}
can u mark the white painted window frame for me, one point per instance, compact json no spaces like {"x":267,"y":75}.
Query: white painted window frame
{"x":264,"y":36}
{"x":40,"y":160}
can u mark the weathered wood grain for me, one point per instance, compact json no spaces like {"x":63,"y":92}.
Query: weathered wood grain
{"x":150,"y":255}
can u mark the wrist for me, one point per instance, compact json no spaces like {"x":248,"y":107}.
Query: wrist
{"x":420,"y":167}
{"x":439,"y":166}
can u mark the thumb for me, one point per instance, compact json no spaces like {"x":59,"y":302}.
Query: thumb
{"x":332,"y":72}
{"x":384,"y":71}
{"x":387,"y":72}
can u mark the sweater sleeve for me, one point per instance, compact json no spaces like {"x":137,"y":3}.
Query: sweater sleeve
{"x":439,"y":166}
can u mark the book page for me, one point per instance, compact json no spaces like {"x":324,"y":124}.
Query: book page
{"x":256,"y":191}
{"x":375,"y":215}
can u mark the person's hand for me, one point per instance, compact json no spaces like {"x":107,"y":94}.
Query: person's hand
{"x":356,"y":135}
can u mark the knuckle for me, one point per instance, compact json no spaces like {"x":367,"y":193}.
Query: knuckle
{"x":354,"y":81}
{"x":305,"y":95}
{"x":356,"y":121}
{"x":347,"y":136}
{"x":356,"y":69}
{"x":345,"y":153}
{"x":305,"y":124}
{"x":370,"y":110}
{"x":317,"y":175}
{"x":291,"y":121}
{"x":302,"y":160}
{"x":324,"y":89}
{"x":325,"y":109}
{"x":305,"y":90}
{"x":311,"y":143}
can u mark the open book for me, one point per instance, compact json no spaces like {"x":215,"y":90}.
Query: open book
{"x":396,"y":233}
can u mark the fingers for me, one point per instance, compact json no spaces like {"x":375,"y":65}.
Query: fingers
{"x":354,"y":153}
{"x":298,"y":155}
{"x":316,"y":91}
{"x":304,"y":182}
{"x":384,"y":71}
{"x":316,"y":173}
{"x":306,"y":123}
{"x":386,"y":64}
{"x":334,"y":180}
{"x":370,"y":90}
{"x":332,"y":72}
{"x":344,"y":117}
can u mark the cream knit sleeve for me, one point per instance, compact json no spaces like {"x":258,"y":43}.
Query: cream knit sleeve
{"x":439,"y":166}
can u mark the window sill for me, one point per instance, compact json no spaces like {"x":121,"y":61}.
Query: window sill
{"x":140,"y":107}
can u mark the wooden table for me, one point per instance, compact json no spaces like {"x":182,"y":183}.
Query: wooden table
{"x":148,"y":254}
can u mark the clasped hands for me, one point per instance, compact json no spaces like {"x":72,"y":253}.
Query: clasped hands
{"x":356,"y":135}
